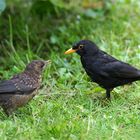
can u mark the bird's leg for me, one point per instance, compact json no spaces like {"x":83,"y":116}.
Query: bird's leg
{"x":108,"y":93}
{"x":8,"y":110}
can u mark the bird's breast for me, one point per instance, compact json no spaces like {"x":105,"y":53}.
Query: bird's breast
{"x":21,"y":100}
{"x":92,"y":68}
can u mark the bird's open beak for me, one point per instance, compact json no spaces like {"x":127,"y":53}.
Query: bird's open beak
{"x":48,"y":62}
{"x":70,"y":51}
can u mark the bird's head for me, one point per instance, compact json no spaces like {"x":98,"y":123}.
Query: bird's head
{"x":37,"y":65}
{"x":83,"y":47}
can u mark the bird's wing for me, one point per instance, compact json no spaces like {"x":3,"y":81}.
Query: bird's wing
{"x":9,"y":87}
{"x":119,"y":69}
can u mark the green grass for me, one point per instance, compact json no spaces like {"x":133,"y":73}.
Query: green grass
{"x":70,"y":106}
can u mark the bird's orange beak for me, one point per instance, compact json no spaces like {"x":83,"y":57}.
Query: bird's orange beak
{"x":70,"y":51}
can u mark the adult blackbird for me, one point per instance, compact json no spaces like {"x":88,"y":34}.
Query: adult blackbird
{"x":102,"y":68}
{"x":21,"y":88}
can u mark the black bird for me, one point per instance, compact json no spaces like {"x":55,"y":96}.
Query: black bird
{"x":102,"y":68}
{"x":21,"y":88}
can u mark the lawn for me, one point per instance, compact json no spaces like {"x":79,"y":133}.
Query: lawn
{"x":69,"y":106}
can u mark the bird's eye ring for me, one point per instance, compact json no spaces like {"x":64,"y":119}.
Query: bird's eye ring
{"x":81,"y":46}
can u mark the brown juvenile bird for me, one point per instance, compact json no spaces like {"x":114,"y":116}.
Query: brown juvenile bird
{"x":21,"y":88}
{"x":102,"y":68}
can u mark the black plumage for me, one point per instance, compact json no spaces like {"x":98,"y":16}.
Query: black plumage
{"x":102,"y":68}
{"x":22,"y":87}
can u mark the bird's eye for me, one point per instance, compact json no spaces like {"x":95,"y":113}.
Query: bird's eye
{"x":81,"y":46}
{"x":42,"y":65}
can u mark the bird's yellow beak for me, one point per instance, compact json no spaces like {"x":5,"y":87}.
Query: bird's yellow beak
{"x":70,"y":51}
{"x":48,"y":62}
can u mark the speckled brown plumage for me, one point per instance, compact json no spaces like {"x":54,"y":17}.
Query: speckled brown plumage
{"x":21,"y":88}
